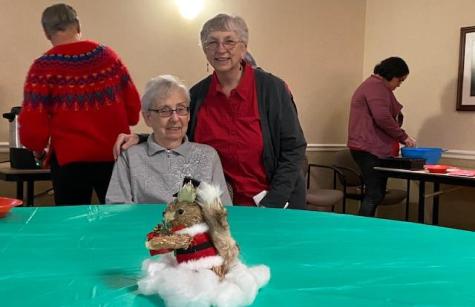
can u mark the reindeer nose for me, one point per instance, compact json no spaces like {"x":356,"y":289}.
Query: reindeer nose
{"x":169,"y":216}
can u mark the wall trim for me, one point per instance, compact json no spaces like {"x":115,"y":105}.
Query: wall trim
{"x":459,"y":154}
{"x":3,"y":147}
{"x":325,"y":147}
{"x":449,"y":154}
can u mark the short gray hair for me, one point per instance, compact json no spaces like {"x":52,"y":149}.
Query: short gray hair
{"x":59,"y":17}
{"x":249,"y":59}
{"x":225,"y":22}
{"x":159,"y":89}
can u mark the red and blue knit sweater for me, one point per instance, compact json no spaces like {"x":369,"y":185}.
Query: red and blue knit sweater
{"x":79,"y":97}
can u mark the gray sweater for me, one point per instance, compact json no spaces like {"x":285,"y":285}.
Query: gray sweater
{"x":149,"y":173}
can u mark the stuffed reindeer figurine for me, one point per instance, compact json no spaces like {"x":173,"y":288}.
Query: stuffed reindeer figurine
{"x":199,"y":260}
{"x":198,"y":234}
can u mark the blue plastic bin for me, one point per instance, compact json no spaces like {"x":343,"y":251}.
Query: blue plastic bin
{"x":430,"y":154}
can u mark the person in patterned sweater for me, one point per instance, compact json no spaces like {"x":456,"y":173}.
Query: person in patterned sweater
{"x":78,"y":97}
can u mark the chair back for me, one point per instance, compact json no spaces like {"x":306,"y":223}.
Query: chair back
{"x":348,"y":167}
{"x":306,"y":172}
{"x":351,"y":179}
{"x":318,"y":198}
{"x":305,"y":169}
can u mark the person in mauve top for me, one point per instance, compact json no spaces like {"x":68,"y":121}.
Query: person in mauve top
{"x":374,"y":129}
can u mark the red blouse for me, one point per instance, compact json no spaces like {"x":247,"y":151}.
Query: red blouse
{"x":232,"y":126}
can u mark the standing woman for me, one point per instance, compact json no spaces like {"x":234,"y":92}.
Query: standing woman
{"x":374,"y":130}
{"x":78,"y":97}
{"x":249,"y":117}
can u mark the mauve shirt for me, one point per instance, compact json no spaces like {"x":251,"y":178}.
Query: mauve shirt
{"x":375,"y":119}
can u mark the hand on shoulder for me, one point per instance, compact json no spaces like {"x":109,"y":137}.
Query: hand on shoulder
{"x":123,"y":142}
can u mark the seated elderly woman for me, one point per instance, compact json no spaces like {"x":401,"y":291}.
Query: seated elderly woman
{"x":152,"y":172}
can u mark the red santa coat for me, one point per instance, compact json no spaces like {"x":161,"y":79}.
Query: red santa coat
{"x":200,"y":254}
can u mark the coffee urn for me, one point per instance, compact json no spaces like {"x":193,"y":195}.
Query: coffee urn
{"x":20,"y":157}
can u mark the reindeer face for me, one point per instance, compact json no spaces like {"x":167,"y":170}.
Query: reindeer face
{"x":182,"y":214}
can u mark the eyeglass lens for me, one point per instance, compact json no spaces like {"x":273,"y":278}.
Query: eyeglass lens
{"x":167,"y":112}
{"x":227,"y":44}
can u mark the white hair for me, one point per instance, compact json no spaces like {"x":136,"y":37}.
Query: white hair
{"x":160,"y":87}
{"x":225,"y":22}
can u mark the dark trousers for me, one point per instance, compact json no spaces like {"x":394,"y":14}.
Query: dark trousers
{"x":375,"y":183}
{"x":73,"y":183}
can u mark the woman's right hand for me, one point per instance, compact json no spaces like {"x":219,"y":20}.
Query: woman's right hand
{"x":410,"y":142}
{"x":123,"y":142}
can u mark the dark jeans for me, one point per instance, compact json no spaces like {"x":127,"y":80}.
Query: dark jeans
{"x":375,"y":183}
{"x":73,"y":183}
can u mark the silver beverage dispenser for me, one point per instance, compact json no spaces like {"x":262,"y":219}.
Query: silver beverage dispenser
{"x":20,"y":157}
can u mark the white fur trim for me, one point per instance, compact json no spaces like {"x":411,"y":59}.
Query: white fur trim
{"x":193,"y":230}
{"x":203,"y":263}
{"x":207,"y":193}
{"x":179,"y":286}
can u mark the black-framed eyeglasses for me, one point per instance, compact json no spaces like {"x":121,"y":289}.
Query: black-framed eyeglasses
{"x":167,"y":112}
{"x":228,"y":44}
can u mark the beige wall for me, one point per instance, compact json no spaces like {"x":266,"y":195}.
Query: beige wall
{"x":323,"y":49}
{"x":426,"y":33}
{"x":316,"y":46}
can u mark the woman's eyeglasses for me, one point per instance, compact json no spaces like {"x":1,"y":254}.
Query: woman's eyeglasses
{"x":228,"y":44}
{"x":167,"y":112}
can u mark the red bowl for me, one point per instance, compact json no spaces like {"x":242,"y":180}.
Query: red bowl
{"x":437,"y":168}
{"x":6,"y":204}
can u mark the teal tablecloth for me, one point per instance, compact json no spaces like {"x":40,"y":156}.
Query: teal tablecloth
{"x":91,"y":256}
